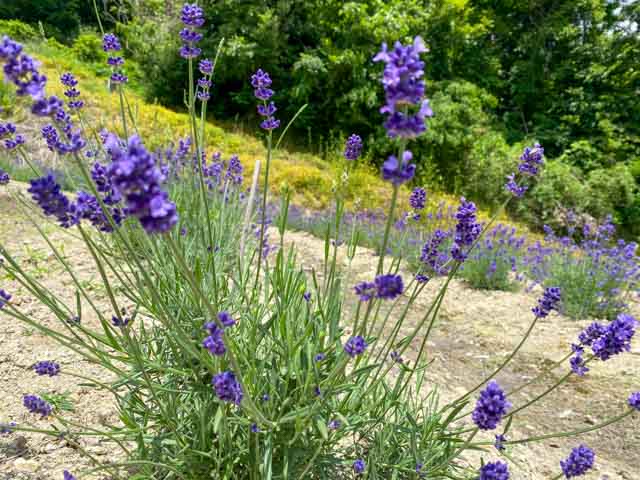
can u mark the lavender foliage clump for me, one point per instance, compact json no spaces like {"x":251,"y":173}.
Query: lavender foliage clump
{"x":490,"y":407}
{"x":579,"y":462}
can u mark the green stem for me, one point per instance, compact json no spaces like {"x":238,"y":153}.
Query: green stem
{"x":387,"y":229}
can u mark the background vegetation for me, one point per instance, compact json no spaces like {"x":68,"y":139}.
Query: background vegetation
{"x":501,"y":74}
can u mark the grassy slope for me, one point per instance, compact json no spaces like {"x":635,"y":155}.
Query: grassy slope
{"x":309,"y":177}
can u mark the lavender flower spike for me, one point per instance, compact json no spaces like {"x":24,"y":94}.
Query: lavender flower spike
{"x":579,"y":462}
{"x":353,"y":147}
{"x":227,"y":387}
{"x":494,"y":471}
{"x":491,"y":407}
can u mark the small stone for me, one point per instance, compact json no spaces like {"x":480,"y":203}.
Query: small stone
{"x":23,"y":465}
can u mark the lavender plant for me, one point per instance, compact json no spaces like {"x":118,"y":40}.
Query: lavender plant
{"x":227,"y":361}
{"x":598,"y":274}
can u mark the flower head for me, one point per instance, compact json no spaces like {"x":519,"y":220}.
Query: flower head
{"x":549,"y":301}
{"x":4,"y":298}
{"x":21,"y":70}
{"x":192,"y":15}
{"x":389,"y":286}
{"x":206,"y":66}
{"x":110,"y":43}
{"x":616,"y":337}
{"x":359,"y":466}
{"x":467,"y":229}
{"x":46,"y":192}
{"x":490,"y":407}
{"x":261,"y":81}
{"x":579,"y":462}
{"x":47,"y":367}
{"x":398,"y":172}
{"x":36,"y":404}
{"x":499,"y":443}
{"x":4,"y":177}
{"x":135,"y":176}
{"x":365,"y":290}
{"x":531,"y":160}
{"x":355,"y":346}
{"x":67,"y":475}
{"x":215,"y":342}
{"x":494,"y":471}
{"x":418,"y":198}
{"x":634,"y":400}
{"x":227,"y":387}
{"x":353,"y":147}
{"x":515,"y":189}
{"x":404,"y":89}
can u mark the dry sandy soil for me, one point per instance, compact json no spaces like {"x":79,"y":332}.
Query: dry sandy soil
{"x":475,"y":331}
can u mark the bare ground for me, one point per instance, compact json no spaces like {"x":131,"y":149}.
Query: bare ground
{"x":475,"y":331}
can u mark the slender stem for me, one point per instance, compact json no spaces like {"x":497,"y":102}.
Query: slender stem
{"x":264,"y":206}
{"x":387,"y":229}
{"x":122,"y":111}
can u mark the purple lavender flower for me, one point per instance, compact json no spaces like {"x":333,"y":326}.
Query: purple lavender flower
{"x":577,"y":363}
{"x":12,"y":143}
{"x":634,"y":400}
{"x":307,"y":296}
{"x":21,"y":70}
{"x":47,"y":106}
{"x":511,"y":185}
{"x":549,"y":301}
{"x":467,"y":229}
{"x":365,"y":290}
{"x":46,"y":192}
{"x":399,"y":172}
{"x":353,"y":147}
{"x":110,"y":43}
{"x":591,"y":333}
{"x":531,"y":160}
{"x":190,"y":36}
{"x":215,"y":342}
{"x":261,"y":81}
{"x":579,"y":462}
{"x":4,"y":177}
{"x":47,"y":367}
{"x":67,"y":475}
{"x":120,"y":321}
{"x":234,"y":170}
{"x":395,"y":357}
{"x":334,"y":424}
{"x":192,"y":15}
{"x":431,"y":255}
{"x":418,"y":198}
{"x":389,"y":286}
{"x":616,"y":338}
{"x":355,"y":346}
{"x":494,"y":471}
{"x":490,"y":407}
{"x":420,"y":278}
{"x":4,"y":298}
{"x":270,"y":124}
{"x":68,"y":80}
{"x":206,"y":66}
{"x":137,"y":179}
{"x":319,"y":357}
{"x":404,"y":89}
{"x":115,"y":61}
{"x":499,"y":443}
{"x":359,"y":466}
{"x":227,"y":387}
{"x":226,"y":319}
{"x":36,"y":404}
{"x":119,"y":77}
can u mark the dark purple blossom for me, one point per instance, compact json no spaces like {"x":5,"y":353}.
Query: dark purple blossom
{"x":591,"y":333}
{"x":421,"y":278}
{"x":261,"y":81}
{"x":227,"y":387}
{"x":226,"y":319}
{"x":47,"y":193}
{"x":616,"y":338}
{"x":431,"y":255}
{"x":47,"y":367}
{"x":334,"y":424}
{"x":215,"y":342}
{"x":206,"y":66}
{"x":365,"y":290}
{"x":395,"y":356}
{"x":306,"y":296}
{"x":36,"y":404}
{"x":490,"y":407}
{"x":190,"y":36}
{"x":634,"y":400}
{"x":137,"y":179}
{"x":187,"y":51}
{"x":579,"y":462}
{"x":115,"y":61}
{"x":399,"y":172}
{"x":119,"y":77}
{"x":319,"y":357}
{"x":359,"y":466}
{"x":511,"y":185}
{"x":270,"y":124}
{"x":355,"y":346}
{"x":404,"y":89}
{"x":120,"y":321}
{"x":494,"y":471}
{"x":418,"y":198}
{"x":577,"y":362}
{"x":4,"y":298}
{"x":21,"y":70}
{"x":7,"y":428}
{"x":192,"y":15}
{"x":110,"y":43}
{"x":389,"y":286}
{"x":531,"y":160}
{"x":4,"y":177}
{"x":353,"y":147}
{"x":467,"y":229}
{"x":499,"y":443}
{"x":47,"y":106}
{"x":549,"y":301}
{"x":234,"y":170}
{"x":67,"y":475}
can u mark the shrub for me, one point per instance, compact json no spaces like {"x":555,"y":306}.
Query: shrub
{"x":224,"y":358}
{"x":597,"y":274}
{"x":88,"y":47}
{"x":18,"y":30}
